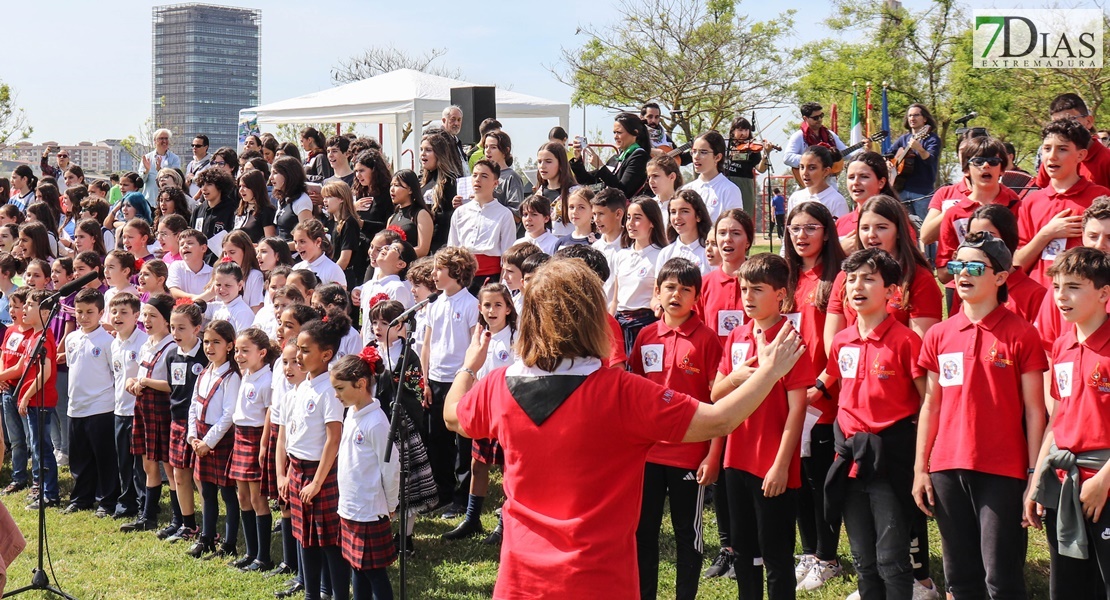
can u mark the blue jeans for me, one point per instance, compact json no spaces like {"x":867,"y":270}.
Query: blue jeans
{"x":16,"y":426}
{"x":43,"y":449}
{"x":879,"y":534}
{"x":59,"y":430}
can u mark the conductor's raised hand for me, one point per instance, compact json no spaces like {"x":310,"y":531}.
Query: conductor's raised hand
{"x":781,"y":353}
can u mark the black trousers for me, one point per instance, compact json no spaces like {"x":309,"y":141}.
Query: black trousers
{"x":680,"y":487}
{"x":761,"y":527}
{"x":132,"y":478}
{"x":92,"y":448}
{"x":1071,"y":578}
{"x":443,"y":445}
{"x":984,"y":544}
{"x":819,"y":537}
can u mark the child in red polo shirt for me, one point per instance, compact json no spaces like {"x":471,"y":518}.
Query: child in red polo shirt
{"x":679,"y":353}
{"x":814,"y":252}
{"x":980,"y":426}
{"x":1050,"y":219}
{"x":881,"y":386}
{"x":1023,"y":295}
{"x":762,"y":455}
{"x":1077,"y":442}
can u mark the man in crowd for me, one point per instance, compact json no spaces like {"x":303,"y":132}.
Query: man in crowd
{"x":156,"y":160}
{"x":452,"y":123}
{"x":199,"y":163}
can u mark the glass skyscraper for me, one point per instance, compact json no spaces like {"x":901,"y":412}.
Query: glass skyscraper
{"x":207,"y":62}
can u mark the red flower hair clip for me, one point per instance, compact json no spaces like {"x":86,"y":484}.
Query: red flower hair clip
{"x":183,"y":302}
{"x":139,"y":263}
{"x":226,"y":258}
{"x":324,"y":319}
{"x":370,"y":356}
{"x":379,"y":297}
{"x":398,"y":231}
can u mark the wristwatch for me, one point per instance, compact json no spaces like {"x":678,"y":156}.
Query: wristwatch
{"x":820,"y":385}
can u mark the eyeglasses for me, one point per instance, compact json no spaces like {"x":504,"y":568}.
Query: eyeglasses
{"x":219,"y":163}
{"x":161,"y":139}
{"x":979,"y":161}
{"x":701,"y":153}
{"x":809,"y":229}
{"x":974,"y":268}
{"x":198,"y":145}
{"x":817,"y":117}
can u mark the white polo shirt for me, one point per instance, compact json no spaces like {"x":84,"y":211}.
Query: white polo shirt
{"x":719,"y":194}
{"x":235,"y":312}
{"x":125,"y":365}
{"x":350,"y":344}
{"x":609,"y":249}
{"x":255,"y":391}
{"x":634,"y":271}
{"x":254,"y":288}
{"x":221,"y":406}
{"x":390,"y":285}
{"x":183,"y":278}
{"x":546,"y":241}
{"x":368,"y":486}
{"x":499,"y":353}
{"x":450,"y":319}
{"x":483,"y":229}
{"x":326,"y":270}
{"x":280,"y":391}
{"x":150,"y":350}
{"x":306,"y":412}
{"x":91,"y":383}
{"x":694,"y":252}
{"x":830,"y":197}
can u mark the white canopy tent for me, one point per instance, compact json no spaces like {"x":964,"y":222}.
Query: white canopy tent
{"x":394,"y":98}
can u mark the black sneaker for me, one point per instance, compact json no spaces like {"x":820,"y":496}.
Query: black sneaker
{"x":184,"y":533}
{"x":721,"y":564}
{"x":222,"y":550}
{"x":465,"y":529}
{"x":296,"y":589}
{"x":281,"y":569}
{"x":258,"y":566}
{"x":139,"y":525}
{"x":73,"y":507}
{"x":241,"y":562}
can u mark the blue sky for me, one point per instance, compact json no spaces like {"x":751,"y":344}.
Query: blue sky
{"x":82,"y":70}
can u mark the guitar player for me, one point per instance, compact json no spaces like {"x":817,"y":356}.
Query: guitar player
{"x":812,"y":133}
{"x":922,"y":159}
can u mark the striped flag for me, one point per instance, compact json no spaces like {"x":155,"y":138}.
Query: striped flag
{"x":856,"y":134}
{"x":834,"y":119}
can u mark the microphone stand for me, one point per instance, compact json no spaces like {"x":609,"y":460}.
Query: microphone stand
{"x":402,"y":448}
{"x":39,"y":579}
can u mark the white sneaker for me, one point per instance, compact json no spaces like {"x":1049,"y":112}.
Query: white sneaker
{"x":853,"y":596}
{"x":821,"y":572}
{"x":920,"y":592}
{"x":61,"y":458}
{"x":805,"y":564}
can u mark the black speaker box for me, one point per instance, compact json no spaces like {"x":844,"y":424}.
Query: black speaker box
{"x":477,"y":104}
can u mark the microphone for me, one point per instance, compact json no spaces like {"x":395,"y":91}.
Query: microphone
{"x":964,"y":119}
{"x":71,"y":287}
{"x":410,"y":313}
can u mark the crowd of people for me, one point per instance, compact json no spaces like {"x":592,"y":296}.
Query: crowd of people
{"x":606,"y":336}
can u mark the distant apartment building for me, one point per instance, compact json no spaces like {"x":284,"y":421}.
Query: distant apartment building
{"x":91,"y":157}
{"x":207,"y":63}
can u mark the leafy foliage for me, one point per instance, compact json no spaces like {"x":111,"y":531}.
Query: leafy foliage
{"x":13,"y":120}
{"x":383,"y":59}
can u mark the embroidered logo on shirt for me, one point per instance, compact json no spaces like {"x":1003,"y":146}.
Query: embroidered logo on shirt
{"x":310,"y":407}
{"x":359,"y":438}
{"x":197,"y":368}
{"x":456,"y":316}
{"x":668,"y":395}
{"x":879,"y":369}
{"x":132,"y":355}
{"x":994,"y":357}
{"x":642,"y":272}
{"x":687,"y":366}
{"x":97,"y":351}
{"x":251,"y":394}
{"x":502,"y":355}
{"x":1098,"y":380}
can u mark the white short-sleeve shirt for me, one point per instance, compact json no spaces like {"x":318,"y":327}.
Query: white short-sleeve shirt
{"x":91,"y":383}
{"x":125,"y":365}
{"x":306,"y":412}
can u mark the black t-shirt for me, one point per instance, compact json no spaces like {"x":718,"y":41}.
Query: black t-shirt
{"x":345,"y":236}
{"x":741,"y":164}
{"x":211,"y":220}
{"x":183,"y":372}
{"x":253,"y":223}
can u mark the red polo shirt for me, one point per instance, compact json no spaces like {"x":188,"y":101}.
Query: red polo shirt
{"x":753,"y":445}
{"x":810,"y":322}
{"x":719,"y":305}
{"x":1095,"y":168}
{"x":876,"y":376}
{"x":1081,"y":387}
{"x":957,"y":219}
{"x":1051,"y":324}
{"x":1024,"y":297}
{"x":1038,"y":208}
{"x":616,"y":343}
{"x":982,"y":414}
{"x":574,"y":485}
{"x":684,"y":360}
{"x":31,"y":337}
{"x":947,"y":196}
{"x":926,"y":300}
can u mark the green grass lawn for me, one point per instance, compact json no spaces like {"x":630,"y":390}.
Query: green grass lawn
{"x":91,"y":559}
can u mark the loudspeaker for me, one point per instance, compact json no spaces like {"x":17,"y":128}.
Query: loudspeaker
{"x":477,"y":104}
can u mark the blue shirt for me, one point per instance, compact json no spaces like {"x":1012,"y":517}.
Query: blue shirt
{"x":924,"y":174}
{"x":778,"y":202}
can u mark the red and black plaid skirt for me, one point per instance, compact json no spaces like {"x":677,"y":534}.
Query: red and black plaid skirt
{"x":150,"y":432}
{"x":488,"y":452}
{"x":181,"y":453}
{"x":367,"y":545}
{"x":244,"y":464}
{"x":213,"y":467}
{"x":269,"y":470}
{"x":314,"y":525}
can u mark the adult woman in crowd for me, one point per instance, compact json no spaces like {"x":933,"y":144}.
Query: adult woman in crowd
{"x":288,"y":178}
{"x":562,"y":539}
{"x":442,"y":167}
{"x":411,"y":213}
{"x":24,"y":183}
{"x":255,"y":214}
{"x":316,"y":166}
{"x":627,"y":170}
{"x":371,"y":191}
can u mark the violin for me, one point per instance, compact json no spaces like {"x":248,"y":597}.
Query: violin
{"x":755,"y":146}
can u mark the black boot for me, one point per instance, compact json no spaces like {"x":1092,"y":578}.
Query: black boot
{"x":465,"y":529}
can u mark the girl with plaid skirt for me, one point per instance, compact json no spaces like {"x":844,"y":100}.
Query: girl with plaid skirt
{"x":150,"y":434}
{"x":368,"y":485}
{"x":420,"y":491}
{"x":312,"y":425}
{"x":211,"y":437}
{"x":254,"y":353}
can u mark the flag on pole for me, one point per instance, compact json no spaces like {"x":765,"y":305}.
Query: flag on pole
{"x":857,"y":126}
{"x":867,"y":107}
{"x":834,"y":125}
{"x":886,"y":123}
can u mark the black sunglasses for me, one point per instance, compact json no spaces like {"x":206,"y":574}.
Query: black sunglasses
{"x":979,"y":161}
{"x":199,"y":145}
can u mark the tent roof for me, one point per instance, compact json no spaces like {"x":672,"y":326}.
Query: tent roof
{"x":383,"y":98}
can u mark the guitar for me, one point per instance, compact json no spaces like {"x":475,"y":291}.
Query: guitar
{"x":900,"y":167}
{"x":838,"y":156}
{"x":674,"y":153}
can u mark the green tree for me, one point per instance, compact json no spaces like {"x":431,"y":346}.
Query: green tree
{"x":697,"y":58}
{"x":383,"y":59}
{"x":291,"y":132}
{"x":13,"y":121}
